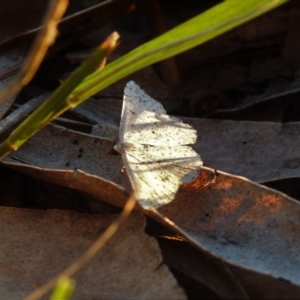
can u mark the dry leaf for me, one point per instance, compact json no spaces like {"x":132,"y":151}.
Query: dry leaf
{"x":245,"y":224}
{"x":72,"y":159}
{"x":260,"y":151}
{"x":55,"y":147}
{"x":37,"y":245}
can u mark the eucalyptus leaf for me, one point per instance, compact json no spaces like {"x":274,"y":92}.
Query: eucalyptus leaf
{"x":243,"y":223}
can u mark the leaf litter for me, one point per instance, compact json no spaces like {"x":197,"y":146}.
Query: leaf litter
{"x":226,"y":146}
{"x":245,"y":231}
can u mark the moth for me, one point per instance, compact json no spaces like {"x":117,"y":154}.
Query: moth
{"x":154,"y":148}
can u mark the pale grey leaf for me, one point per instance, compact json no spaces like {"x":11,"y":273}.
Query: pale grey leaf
{"x":260,"y":151}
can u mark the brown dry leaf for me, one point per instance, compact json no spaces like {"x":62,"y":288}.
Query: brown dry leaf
{"x":37,"y":245}
{"x":243,"y":223}
{"x":72,"y":159}
{"x":260,"y":151}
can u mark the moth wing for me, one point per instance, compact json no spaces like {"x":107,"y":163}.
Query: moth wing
{"x":156,"y":173}
{"x":144,"y":121}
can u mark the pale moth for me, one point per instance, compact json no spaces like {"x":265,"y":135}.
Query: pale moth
{"x":154,"y":149}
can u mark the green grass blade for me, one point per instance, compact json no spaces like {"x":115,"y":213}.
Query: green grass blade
{"x":196,"y":31}
{"x":63,"y":289}
{"x":56,"y":104}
